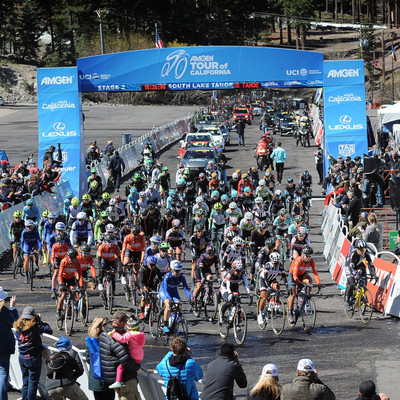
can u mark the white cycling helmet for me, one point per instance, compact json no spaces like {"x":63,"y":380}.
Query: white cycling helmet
{"x":248,"y":215}
{"x":176,"y":222}
{"x":235,"y":175}
{"x":275,"y":257}
{"x":237,"y":265}
{"x":258,"y":200}
{"x":233,"y":220}
{"x":110,"y":228}
{"x":302,"y":231}
{"x":237,"y":241}
{"x":199,"y":199}
{"x":233,"y":205}
{"x":176,"y":265}
{"x":60,"y":226}
{"x":262,"y":182}
{"x":81,"y":216}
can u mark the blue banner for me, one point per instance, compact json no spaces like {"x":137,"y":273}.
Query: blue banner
{"x":57,"y":80}
{"x":344,"y":73}
{"x":346,"y":146}
{"x":188,"y":68}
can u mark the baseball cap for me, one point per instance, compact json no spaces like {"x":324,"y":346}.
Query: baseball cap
{"x":3,"y":294}
{"x":269,"y":370}
{"x":303,"y":363}
{"x":28,"y":313}
{"x":367,"y":388}
{"x":63,"y":344}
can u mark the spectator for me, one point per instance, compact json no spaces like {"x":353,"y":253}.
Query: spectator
{"x":367,"y":391}
{"x":352,"y":209}
{"x":7,"y":345}
{"x":5,"y":167}
{"x":178,"y":363}
{"x":268,"y":386}
{"x":319,"y":163}
{"x":374,"y":232}
{"x":116,"y":167}
{"x":113,"y":354}
{"x":306,"y":385}
{"x":240,"y":126}
{"x":92,"y":155}
{"x":280,"y":156}
{"x":98,"y":386}
{"x":33,"y":169}
{"x":222,"y":373}
{"x":29,"y":328}
{"x":357,"y":230}
{"x":64,"y":384}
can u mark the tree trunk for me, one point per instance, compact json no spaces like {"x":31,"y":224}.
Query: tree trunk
{"x":353,"y":11}
{"x":336,"y":11}
{"x":303,"y":36}
{"x":280,"y":31}
{"x":289,"y":33}
{"x":297,"y":37}
{"x":341,"y":11}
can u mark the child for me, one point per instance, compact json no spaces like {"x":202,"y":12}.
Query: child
{"x":135,"y":340}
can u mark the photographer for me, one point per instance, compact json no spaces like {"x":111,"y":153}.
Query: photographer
{"x":367,"y":391}
{"x":49,"y":156}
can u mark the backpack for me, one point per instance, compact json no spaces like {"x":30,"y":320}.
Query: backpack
{"x":175,"y":390}
{"x":95,"y":361}
{"x":60,"y":365}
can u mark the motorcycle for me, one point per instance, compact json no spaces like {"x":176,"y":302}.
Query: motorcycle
{"x":263,"y":155}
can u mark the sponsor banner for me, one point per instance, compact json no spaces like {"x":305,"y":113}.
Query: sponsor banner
{"x":57,"y":80}
{"x":343,"y":73}
{"x":393,"y":301}
{"x":338,"y":273}
{"x":336,"y":249}
{"x":199,"y":67}
{"x":333,"y":228}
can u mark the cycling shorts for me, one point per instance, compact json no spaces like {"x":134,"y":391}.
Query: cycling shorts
{"x":202,"y":273}
{"x":134,"y":256}
{"x":85,"y":274}
{"x":264,"y":286}
{"x":80,"y":240}
{"x":69,"y":282}
{"x":28,"y":248}
{"x":57,"y":262}
{"x":174,"y":295}
{"x":291,"y":283}
{"x":281,"y":232}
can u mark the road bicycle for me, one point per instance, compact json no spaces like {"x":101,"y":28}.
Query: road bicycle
{"x":207,"y":300}
{"x":361,"y":299}
{"x":68,"y":312}
{"x":274,"y":310}
{"x":285,"y":245}
{"x":130,"y":287}
{"x":151,"y":311}
{"x":107,"y":295}
{"x":18,"y":262}
{"x":31,"y":269}
{"x":177,"y":324}
{"x":233,"y":317}
{"x":82,"y":306}
{"x":304,"y":307}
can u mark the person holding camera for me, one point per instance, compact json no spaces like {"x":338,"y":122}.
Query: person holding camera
{"x":367,"y":391}
{"x":222,"y":373}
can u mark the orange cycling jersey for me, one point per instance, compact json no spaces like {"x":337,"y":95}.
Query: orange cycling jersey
{"x":59,"y":250}
{"x":87,"y":261}
{"x":134,"y":244}
{"x":299,"y":268}
{"x":214,"y":184}
{"x":69,"y":269}
{"x":108,"y":251}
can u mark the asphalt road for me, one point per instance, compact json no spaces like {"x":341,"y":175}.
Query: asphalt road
{"x":344,"y":351}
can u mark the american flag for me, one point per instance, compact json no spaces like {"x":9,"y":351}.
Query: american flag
{"x":159,"y":43}
{"x":394,"y":54}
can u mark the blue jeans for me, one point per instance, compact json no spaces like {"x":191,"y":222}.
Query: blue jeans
{"x":30,"y":368}
{"x":378,"y":195}
{"x":117,"y":178}
{"x":241,"y":140}
{"x":4,"y":372}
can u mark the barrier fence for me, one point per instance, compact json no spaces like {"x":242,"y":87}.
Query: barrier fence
{"x":386,"y":292}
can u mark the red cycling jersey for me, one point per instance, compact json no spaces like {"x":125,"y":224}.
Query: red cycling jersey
{"x":299,"y":267}
{"x":59,"y":250}
{"x":87,"y":261}
{"x":69,"y":269}
{"x":109,"y":251}
{"x":134,"y":243}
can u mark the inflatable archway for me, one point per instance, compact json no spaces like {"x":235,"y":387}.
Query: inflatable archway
{"x":189,"y":68}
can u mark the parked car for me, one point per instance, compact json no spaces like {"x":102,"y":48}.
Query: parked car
{"x":242,"y":113}
{"x":1,"y":101}
{"x":196,"y":160}
{"x":288,"y":125}
{"x":216,"y":133}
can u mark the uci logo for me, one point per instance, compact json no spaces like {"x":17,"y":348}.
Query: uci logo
{"x":345,"y":119}
{"x":59,"y":126}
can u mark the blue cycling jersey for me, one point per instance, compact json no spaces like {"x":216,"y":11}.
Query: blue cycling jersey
{"x":31,"y":213}
{"x":81,"y":232}
{"x":170,"y":283}
{"x":48,"y":229}
{"x":149,"y":252}
{"x":30,"y":238}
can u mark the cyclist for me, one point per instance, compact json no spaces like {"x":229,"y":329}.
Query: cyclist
{"x":104,"y":202}
{"x":58,"y":251}
{"x":94,"y":178}
{"x":48,"y":229}
{"x":230,"y":285}
{"x":203,"y":269}
{"x":143,"y":202}
{"x":213,"y":184}
{"x":150,"y":225}
{"x":233,"y":227}
{"x":153,"y":195}
{"x":176,"y":237}
{"x":200,"y":203}
{"x":247,"y":225}
{"x":263,"y":191}
{"x":179,"y":212}
{"x":299,"y":208}
{"x":73,"y":210}
{"x":31,"y":211}
{"x":152,"y":250}
{"x":268,"y":280}
{"x":265,"y":253}
{"x":100,"y":226}
{"x":243,"y":183}
{"x":298,"y":242}
{"x":257,"y":242}
{"x":225,"y":202}
{"x":165,"y":223}
{"x":108,"y":254}
{"x":297,"y":223}
{"x":259,"y":210}
{"x":86,"y":260}
{"x":67,"y":203}
{"x":199,"y":219}
{"x":213,"y":199}
{"x":290,"y":193}
{"x":299,"y":274}
{"x":126,"y":228}
{"x":277,"y":203}
{"x":149,"y":276}
{"x":189,"y":193}
{"x":138,"y":182}
{"x":202,"y":185}
{"x":306,"y":181}
{"x":30,"y":241}
{"x":217,"y":221}
{"x":94,"y":191}
{"x":234,"y":210}
{"x":224,"y":245}
{"x":281,"y":225}
{"x":357,"y":263}
{"x":169,"y":289}
{"x":81,"y":231}
{"x":133,"y":250}
{"x":114,"y":212}
{"x":198,"y":244}
{"x":164,"y":181}
{"x":70,"y":272}
{"x":15,"y":231}
{"x":234,"y":251}
{"x":163,"y":258}
{"x":247,"y":199}
{"x":42,"y":221}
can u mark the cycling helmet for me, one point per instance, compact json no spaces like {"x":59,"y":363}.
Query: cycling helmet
{"x":75,"y":202}
{"x":45,"y":213}
{"x":247,"y":189}
{"x":186,"y":172}
{"x":168,"y":212}
{"x":237,"y":241}
{"x":93,"y":171}
{"x":136,"y":176}
{"x":113,"y":202}
{"x":155,"y":240}
{"x":72,"y":253}
{"x":165,"y":168}
{"x":104,"y":214}
{"x":289,"y":180}
{"x":263,"y":225}
{"x":224,"y":197}
{"x":234,"y":194}
{"x":164,"y":246}
{"x":178,"y":204}
{"x":94,"y":184}
{"x":135,"y":229}
{"x":110,"y":228}
{"x":60,"y":226}
{"x":17,"y":214}
{"x":86,"y":197}
{"x":218,"y":206}
{"x":230,"y":235}
{"x":85,"y":248}
{"x":126,"y":221}
{"x":52,"y":215}
{"x":308,"y":251}
{"x":302,"y":231}
{"x":270,"y":243}
{"x":275,"y":257}
{"x":30,"y":202}
{"x":262,"y":182}
{"x":176,"y":222}
{"x":69,"y":195}
{"x":210,"y":249}
{"x":237,"y":265}
{"x":235,"y":175}
{"x":215,"y":193}
{"x":176,"y":265}
{"x":214,"y":175}
{"x":152,"y":207}
{"x":199,"y":199}
{"x":298,"y":219}
{"x":171,"y":192}
{"x":306,"y":174}
{"x":277,"y":193}
{"x":282,"y":212}
{"x":248,"y":215}
{"x":181,"y":181}
{"x":233,"y":220}
{"x":109,"y":237}
{"x":29,"y":222}
{"x":233,"y":205}
{"x":60,"y":237}
{"x":81,"y":216}
{"x":360,"y":244}
{"x":105,"y":196}
{"x":150,"y":185}
{"x":152,"y":260}
{"x":258,"y":200}
{"x":199,"y":227}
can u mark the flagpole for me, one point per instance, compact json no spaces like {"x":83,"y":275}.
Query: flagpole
{"x":392,"y":72}
{"x":373,"y":79}
{"x":155,"y":33}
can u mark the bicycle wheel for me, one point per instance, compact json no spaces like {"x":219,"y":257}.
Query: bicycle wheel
{"x":211,"y":306}
{"x":31,"y":273}
{"x":181,"y":327}
{"x":103,"y":298}
{"x":60,"y":322}
{"x":162,"y":337}
{"x":240,"y":326}
{"x":309,"y":314}
{"x":350,"y":313}
{"x":109,"y":294}
{"x":127,"y":292}
{"x":292,"y":324}
{"x":265,"y":315}
{"x":366,"y":306}
{"x":278,"y":317}
{"x":198,"y":305}
{"x":18,"y":263}
{"x":153,"y":315}
{"x":223,"y":328}
{"x":133,"y":289}
{"x":84,"y":309}
{"x":69,"y":316}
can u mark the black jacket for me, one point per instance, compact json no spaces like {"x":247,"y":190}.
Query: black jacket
{"x":116,"y":164}
{"x":112,"y":354}
{"x":221,"y":375}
